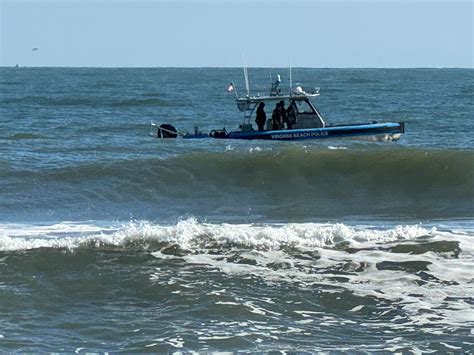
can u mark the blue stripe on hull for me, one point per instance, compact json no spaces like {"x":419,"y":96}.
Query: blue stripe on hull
{"x":319,"y":133}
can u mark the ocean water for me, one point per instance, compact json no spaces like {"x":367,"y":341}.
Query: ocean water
{"x":113,"y":240}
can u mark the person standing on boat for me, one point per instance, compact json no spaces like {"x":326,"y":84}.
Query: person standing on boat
{"x":261,"y":117}
{"x":276,"y":117}
{"x":290,"y":116}
{"x":281,"y":115}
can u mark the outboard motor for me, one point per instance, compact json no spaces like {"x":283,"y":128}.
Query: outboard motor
{"x":167,"y":131}
{"x":219,"y":133}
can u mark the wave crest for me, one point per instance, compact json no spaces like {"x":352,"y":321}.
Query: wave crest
{"x":192,"y":235}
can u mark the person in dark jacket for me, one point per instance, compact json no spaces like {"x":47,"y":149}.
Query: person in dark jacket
{"x":261,"y":117}
{"x":290,"y":116}
{"x":282,"y":118}
{"x":276,"y":117}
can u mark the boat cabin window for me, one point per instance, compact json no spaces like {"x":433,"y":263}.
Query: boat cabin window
{"x":303,"y":107}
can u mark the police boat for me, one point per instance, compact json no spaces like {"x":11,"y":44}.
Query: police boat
{"x":297,"y":119}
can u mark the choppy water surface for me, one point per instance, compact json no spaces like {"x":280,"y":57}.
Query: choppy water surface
{"x":112,"y":240}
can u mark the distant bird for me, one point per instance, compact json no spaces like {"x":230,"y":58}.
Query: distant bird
{"x":35,"y":49}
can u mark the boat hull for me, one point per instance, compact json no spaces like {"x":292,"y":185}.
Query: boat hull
{"x":370,"y":131}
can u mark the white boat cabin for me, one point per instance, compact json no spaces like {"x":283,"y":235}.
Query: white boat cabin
{"x":301,"y":112}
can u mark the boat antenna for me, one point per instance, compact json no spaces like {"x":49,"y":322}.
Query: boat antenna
{"x":291,"y":79}
{"x":246,"y":75}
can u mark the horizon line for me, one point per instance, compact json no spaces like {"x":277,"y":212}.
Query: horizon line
{"x":19,"y":66}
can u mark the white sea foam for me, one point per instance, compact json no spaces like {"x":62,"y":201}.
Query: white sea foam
{"x":189,"y":234}
{"x":423,"y":300}
{"x":267,"y":246}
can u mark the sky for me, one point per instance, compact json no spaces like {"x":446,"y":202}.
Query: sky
{"x":211,"y":33}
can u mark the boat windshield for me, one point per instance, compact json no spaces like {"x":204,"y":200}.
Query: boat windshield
{"x":303,"y":107}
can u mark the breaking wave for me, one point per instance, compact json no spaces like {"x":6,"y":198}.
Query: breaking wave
{"x":407,"y":265}
{"x":191,"y":235}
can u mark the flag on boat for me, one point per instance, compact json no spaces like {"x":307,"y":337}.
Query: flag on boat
{"x":230,"y":88}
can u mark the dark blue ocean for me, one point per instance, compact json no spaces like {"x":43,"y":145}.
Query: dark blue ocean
{"x":112,"y":240}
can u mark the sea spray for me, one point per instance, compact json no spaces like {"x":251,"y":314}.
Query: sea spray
{"x":191,"y":234}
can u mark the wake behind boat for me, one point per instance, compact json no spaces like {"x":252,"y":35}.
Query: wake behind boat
{"x":294,"y":118}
